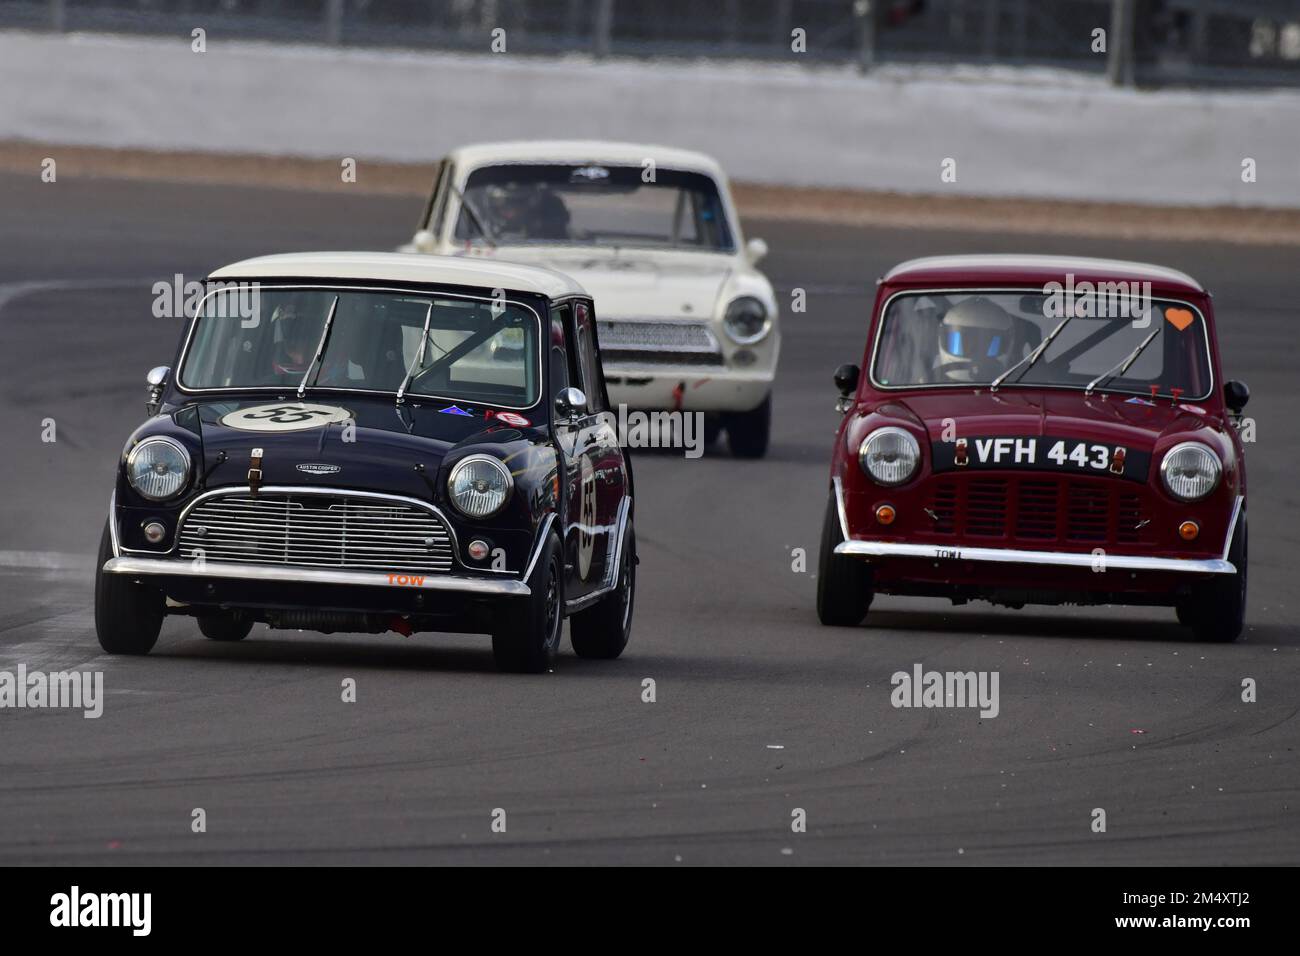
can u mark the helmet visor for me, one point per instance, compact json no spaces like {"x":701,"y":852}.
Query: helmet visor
{"x":973,"y":342}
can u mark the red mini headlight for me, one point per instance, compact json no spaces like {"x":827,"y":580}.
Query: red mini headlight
{"x":1190,"y":471}
{"x":889,"y":456}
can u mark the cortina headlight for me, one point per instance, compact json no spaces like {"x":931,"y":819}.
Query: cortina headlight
{"x":746,"y":321}
{"x":479,"y":486}
{"x":158,"y":468}
{"x":889,"y":456}
{"x":1190,"y":471}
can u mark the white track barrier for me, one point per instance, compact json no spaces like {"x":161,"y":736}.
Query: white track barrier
{"x":1043,"y":134}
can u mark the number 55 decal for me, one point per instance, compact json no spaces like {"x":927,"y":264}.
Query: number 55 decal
{"x":287,"y":417}
{"x":587,"y":519}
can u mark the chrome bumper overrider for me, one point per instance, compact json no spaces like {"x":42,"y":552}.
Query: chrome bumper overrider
{"x":1067,"y":559}
{"x":299,"y":575}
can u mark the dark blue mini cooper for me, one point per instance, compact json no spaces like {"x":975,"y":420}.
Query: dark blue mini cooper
{"x":365,"y":442}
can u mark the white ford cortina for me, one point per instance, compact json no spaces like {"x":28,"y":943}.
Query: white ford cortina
{"x":686,"y":320}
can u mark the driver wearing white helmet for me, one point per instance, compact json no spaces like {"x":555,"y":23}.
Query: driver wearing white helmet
{"x":979,"y":340}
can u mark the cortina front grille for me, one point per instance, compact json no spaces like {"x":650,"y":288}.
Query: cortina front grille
{"x":641,"y":342}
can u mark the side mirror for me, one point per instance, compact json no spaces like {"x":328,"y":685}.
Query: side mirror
{"x":846,"y":380}
{"x":570,"y":403}
{"x":423,"y":241}
{"x":755,"y":251}
{"x":1235,"y":395}
{"x":157,"y":382}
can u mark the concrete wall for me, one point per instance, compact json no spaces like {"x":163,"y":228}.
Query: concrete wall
{"x":1039,"y":134}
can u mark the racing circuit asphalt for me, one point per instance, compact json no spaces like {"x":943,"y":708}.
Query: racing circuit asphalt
{"x":759,"y":710}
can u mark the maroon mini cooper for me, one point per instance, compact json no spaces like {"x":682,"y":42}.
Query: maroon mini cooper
{"x":1039,"y":430}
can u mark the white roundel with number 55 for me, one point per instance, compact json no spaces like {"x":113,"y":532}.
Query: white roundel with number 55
{"x":285,"y":417}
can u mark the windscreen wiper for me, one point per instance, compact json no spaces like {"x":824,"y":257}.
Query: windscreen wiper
{"x":320,"y":349}
{"x":419,"y":354}
{"x":1032,"y":357}
{"x":474,"y":217}
{"x":1123,"y":366}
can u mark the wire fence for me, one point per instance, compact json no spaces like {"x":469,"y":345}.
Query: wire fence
{"x":1147,"y":42}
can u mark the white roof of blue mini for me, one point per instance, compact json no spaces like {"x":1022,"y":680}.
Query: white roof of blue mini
{"x":404,"y":267}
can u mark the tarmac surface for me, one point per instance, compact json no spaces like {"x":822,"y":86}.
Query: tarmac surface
{"x":759,"y":711}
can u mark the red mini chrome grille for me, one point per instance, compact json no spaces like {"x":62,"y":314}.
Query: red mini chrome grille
{"x":1039,"y":510}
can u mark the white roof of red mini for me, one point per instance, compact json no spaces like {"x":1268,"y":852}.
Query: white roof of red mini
{"x":1011,"y":269}
{"x":404,"y":267}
